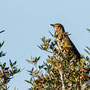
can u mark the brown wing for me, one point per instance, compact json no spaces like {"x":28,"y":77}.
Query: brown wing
{"x":73,"y":49}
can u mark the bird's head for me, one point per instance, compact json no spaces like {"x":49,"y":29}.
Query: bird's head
{"x":58,"y":27}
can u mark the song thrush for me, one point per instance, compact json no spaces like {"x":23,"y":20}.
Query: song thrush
{"x":62,"y":37}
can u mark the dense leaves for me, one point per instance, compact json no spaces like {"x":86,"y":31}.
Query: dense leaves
{"x":59,"y":68}
{"x":6,"y":73}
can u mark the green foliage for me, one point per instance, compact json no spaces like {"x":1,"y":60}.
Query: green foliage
{"x":88,"y":30}
{"x":87,"y":50}
{"x":6,"y":73}
{"x":75,"y":73}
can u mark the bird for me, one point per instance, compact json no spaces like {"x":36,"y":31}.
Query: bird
{"x":63,"y":37}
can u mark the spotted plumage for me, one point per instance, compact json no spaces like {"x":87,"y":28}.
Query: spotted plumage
{"x":62,"y":37}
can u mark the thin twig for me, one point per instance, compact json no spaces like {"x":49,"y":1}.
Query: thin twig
{"x":62,"y":79}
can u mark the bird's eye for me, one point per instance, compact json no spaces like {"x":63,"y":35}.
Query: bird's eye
{"x":59,"y":26}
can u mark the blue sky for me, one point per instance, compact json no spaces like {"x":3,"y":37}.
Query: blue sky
{"x":26,"y":21}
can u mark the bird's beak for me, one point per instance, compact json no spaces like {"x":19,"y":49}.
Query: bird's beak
{"x":51,"y":24}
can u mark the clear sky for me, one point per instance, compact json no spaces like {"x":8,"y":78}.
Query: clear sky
{"x":26,"y":21}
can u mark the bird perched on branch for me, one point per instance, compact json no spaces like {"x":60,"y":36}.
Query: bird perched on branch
{"x":63,"y":38}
